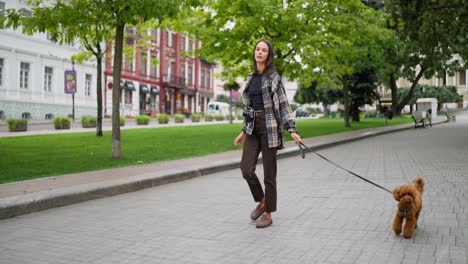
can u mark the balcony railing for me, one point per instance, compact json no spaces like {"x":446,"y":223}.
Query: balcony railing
{"x":174,"y":80}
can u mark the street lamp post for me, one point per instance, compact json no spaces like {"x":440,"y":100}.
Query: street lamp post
{"x":73,"y":94}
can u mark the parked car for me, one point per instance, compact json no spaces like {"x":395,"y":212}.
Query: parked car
{"x":302,"y":113}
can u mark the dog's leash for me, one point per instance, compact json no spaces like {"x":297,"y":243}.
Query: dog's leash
{"x":302,"y":146}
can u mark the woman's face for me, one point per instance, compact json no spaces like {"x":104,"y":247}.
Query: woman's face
{"x":261,"y":52}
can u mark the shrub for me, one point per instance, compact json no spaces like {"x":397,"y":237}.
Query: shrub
{"x":240,"y":117}
{"x":88,"y":121}
{"x":62,"y":122}
{"x":219,"y":117}
{"x":195,"y":118}
{"x":143,"y":119}
{"x":371,"y":113}
{"x":163,"y":118}
{"x":208,"y":118}
{"x":179,"y":118}
{"x":122,"y":121}
{"x":228,"y":117}
{"x":15,"y":124}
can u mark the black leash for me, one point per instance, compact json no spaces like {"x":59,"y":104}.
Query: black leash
{"x":301,"y":146}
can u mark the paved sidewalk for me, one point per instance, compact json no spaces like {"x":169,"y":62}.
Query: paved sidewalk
{"x":324,"y":214}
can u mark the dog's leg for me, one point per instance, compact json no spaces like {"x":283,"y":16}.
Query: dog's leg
{"x":409,"y":227}
{"x":397,"y":222}
{"x":417,"y":217}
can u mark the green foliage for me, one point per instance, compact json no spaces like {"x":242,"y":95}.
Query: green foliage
{"x":122,"y":120}
{"x":219,"y":117}
{"x":443,"y":94}
{"x":143,"y":119}
{"x":430,"y":41}
{"x":16,"y":125}
{"x":208,"y":118}
{"x":88,"y":121}
{"x":179,"y":118}
{"x":163,"y":118}
{"x":62,"y":122}
{"x":195,"y":118}
{"x":240,"y":117}
{"x":223,"y":98}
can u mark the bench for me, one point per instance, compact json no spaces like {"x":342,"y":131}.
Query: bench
{"x":421,"y":120}
{"x":450,"y":117}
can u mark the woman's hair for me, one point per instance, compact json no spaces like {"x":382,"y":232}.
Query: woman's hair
{"x":269,"y":64}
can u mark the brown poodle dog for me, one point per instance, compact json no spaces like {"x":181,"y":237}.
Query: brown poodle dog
{"x":409,"y":199}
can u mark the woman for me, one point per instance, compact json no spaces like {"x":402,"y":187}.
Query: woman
{"x":266,"y":113}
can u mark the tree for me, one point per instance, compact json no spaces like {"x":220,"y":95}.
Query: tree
{"x":351,"y":43}
{"x":305,"y":34}
{"x":65,"y":25}
{"x":427,"y":43}
{"x":318,"y":94}
{"x":362,"y":90}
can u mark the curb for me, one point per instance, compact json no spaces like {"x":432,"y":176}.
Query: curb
{"x":38,"y":201}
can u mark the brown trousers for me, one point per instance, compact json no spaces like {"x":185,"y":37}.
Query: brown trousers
{"x":255,"y":143}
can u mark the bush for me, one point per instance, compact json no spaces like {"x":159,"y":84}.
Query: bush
{"x":228,"y":117}
{"x":219,"y":117}
{"x":208,"y":118}
{"x":88,"y":121}
{"x":163,"y":118}
{"x":16,"y":125}
{"x":195,"y":118}
{"x":371,"y":113}
{"x":122,"y":121}
{"x":62,"y":122}
{"x":143,"y":119}
{"x":240,"y":117}
{"x":179,"y":118}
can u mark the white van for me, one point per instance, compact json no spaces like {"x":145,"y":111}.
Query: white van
{"x":218,"y":108}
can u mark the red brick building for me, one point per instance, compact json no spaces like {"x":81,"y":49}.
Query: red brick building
{"x":162,"y":76}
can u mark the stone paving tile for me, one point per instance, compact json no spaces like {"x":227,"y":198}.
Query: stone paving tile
{"x":324,"y":214}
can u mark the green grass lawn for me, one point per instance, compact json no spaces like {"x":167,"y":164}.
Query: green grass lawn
{"x":32,"y":157}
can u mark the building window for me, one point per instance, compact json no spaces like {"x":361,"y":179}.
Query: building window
{"x":190,"y":73}
{"x":202,"y":79}
{"x":190,"y":45}
{"x":24,"y":75}
{"x":182,"y":43}
{"x":182,"y":71}
{"x":1,"y":71}
{"x":128,"y":97}
{"x":48,"y":74}
{"x":208,"y":79}
{"x":153,"y":64}
{"x":2,"y":12}
{"x":128,"y":66}
{"x":88,"y":80}
{"x":168,"y":39}
{"x":462,"y":80}
{"x":154,"y":36}
{"x":143,"y":60}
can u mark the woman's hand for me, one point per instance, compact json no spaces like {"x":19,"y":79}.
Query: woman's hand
{"x":296,"y":137}
{"x":239,"y":138}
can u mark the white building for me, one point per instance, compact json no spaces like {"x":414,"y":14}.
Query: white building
{"x":32,"y":75}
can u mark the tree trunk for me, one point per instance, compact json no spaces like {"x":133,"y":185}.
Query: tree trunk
{"x":394,"y":91}
{"x":411,"y":91}
{"x":346,"y":100}
{"x":99,"y":92}
{"x":118,"y":50}
{"x":326,"y":110}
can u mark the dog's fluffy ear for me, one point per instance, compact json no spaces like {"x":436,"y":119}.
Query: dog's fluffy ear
{"x":396,"y":194}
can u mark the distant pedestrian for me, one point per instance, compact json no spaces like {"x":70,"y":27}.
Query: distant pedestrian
{"x":266,"y":114}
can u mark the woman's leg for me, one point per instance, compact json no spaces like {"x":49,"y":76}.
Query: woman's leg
{"x":248,"y":165}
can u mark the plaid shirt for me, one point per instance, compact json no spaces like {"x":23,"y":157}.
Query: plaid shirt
{"x":278,"y":113}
